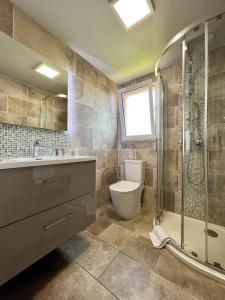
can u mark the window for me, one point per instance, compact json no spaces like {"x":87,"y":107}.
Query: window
{"x":137,"y":113}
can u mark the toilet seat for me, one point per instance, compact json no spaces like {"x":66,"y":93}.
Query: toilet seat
{"x":124,"y":186}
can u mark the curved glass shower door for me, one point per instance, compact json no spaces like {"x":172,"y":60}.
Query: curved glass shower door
{"x":191,"y":143}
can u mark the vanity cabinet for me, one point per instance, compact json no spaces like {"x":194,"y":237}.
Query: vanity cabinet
{"x":27,"y":191}
{"x":40,"y":208}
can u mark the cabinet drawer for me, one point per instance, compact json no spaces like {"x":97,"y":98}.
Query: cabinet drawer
{"x":25,"y":241}
{"x":27,"y":191}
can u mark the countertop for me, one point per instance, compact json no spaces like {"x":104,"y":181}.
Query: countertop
{"x":14,"y":163}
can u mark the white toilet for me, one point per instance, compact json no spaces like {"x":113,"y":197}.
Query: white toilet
{"x":126,"y":195}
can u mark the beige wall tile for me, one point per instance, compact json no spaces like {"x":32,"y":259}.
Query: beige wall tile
{"x":171,"y":160}
{"x":36,"y":94}
{"x":100,"y":100}
{"x":59,"y":115}
{"x":102,"y":197}
{"x":36,"y":37}
{"x":216,"y":86}
{"x":60,"y":104}
{"x":6,"y":17}
{"x":85,"y":71}
{"x":33,"y":122}
{"x":111,"y":140}
{"x":111,"y":158}
{"x":138,"y":145}
{"x":84,"y":115}
{"x":111,"y":123}
{"x":99,"y":173}
{"x":109,"y":176}
{"x":100,"y":119}
{"x":216,"y":60}
{"x":101,"y":158}
{"x":148,"y":177}
{"x":84,"y":92}
{"x":170,"y":180}
{"x":84,"y":138}
{"x":148,"y":155}
{"x":149,"y":198}
{"x":172,"y":95}
{"x":11,"y":118}
{"x":99,"y":139}
{"x":216,"y":211}
{"x":125,"y":154}
{"x":12,"y":88}
{"x":169,"y":200}
{"x":171,"y":139}
{"x":90,"y":74}
{"x":3,"y":103}
{"x":16,"y":106}
{"x":216,"y":111}
{"x":172,"y":118}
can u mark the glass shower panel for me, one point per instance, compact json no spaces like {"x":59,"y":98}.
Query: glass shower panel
{"x":216,"y":143}
{"x":169,"y":150}
{"x":170,"y":66}
{"x":194,"y":175}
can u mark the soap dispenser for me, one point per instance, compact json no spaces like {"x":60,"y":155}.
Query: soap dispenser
{"x":36,"y":148}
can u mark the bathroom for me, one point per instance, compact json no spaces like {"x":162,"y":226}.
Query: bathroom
{"x":90,"y":177}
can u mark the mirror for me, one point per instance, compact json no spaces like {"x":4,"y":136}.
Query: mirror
{"x":27,"y":97}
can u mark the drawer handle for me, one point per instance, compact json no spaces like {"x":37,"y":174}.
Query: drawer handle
{"x":55,"y":179}
{"x":57,"y":222}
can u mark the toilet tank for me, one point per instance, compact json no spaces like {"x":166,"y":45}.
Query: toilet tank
{"x":135,"y":171}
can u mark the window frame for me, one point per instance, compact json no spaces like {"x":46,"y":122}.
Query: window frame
{"x":136,"y":138}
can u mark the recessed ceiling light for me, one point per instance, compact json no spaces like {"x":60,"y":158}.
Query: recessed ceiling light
{"x":46,"y":71}
{"x":62,"y":96}
{"x":132,"y":11}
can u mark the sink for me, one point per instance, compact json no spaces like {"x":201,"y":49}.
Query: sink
{"x":42,"y":161}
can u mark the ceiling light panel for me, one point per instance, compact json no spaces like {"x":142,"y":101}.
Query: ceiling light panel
{"x":46,"y":71}
{"x":132,"y":11}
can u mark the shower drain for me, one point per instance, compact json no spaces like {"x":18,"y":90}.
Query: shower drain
{"x":217,"y":265}
{"x":195,"y":254}
{"x":212,"y":233}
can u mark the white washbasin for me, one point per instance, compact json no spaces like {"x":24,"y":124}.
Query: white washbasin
{"x":42,"y":161}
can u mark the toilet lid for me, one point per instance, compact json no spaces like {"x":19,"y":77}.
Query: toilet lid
{"x":124,"y":186}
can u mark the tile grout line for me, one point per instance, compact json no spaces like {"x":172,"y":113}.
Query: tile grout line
{"x":96,"y":279}
{"x":109,"y":265}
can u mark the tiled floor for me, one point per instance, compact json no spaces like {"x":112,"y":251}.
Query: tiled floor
{"x":112,"y":259}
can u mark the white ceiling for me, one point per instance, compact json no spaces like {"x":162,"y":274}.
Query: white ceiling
{"x":91,"y":28}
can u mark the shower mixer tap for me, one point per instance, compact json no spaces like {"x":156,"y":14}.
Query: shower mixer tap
{"x":198,"y":141}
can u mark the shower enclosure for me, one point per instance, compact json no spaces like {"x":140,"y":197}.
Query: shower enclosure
{"x":191,"y":144}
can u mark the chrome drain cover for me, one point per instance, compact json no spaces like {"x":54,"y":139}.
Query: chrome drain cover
{"x":217,"y":265}
{"x":195,"y":254}
{"x":212,"y":233}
